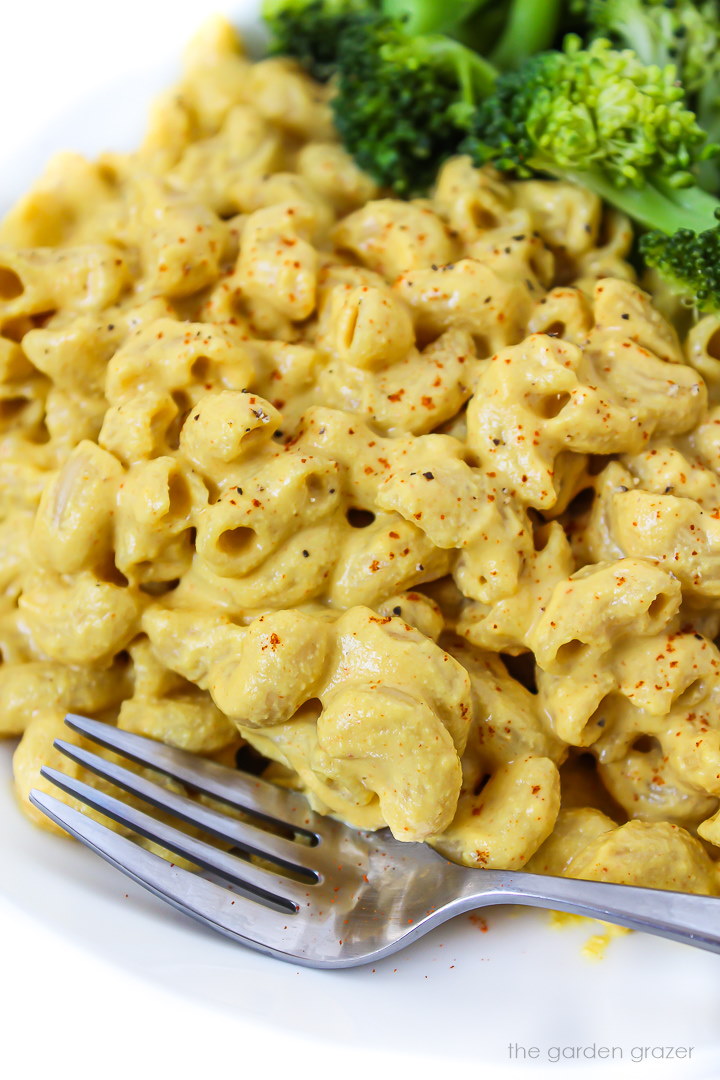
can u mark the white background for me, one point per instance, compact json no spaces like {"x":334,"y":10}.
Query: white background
{"x":97,"y":978}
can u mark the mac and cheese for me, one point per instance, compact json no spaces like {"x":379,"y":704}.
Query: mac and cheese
{"x":420,"y":499}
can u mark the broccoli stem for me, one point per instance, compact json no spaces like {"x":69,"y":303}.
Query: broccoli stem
{"x":530,"y":28}
{"x":481,"y":30}
{"x":475,"y":75}
{"x":693,"y":201}
{"x":655,"y":206}
{"x":431,"y":16}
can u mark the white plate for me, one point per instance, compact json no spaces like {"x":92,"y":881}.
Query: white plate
{"x":459,"y":997}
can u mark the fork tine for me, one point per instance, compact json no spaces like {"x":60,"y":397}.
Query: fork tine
{"x":247,"y":920}
{"x":256,"y":879}
{"x":250,"y":838}
{"x":240,"y":789}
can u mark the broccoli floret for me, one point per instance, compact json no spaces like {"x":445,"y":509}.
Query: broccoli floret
{"x":601,"y":118}
{"x":312,"y":30}
{"x":587,"y":110}
{"x":596,"y":116}
{"x":403,"y":104}
{"x":689,"y":262}
{"x":680,"y":32}
{"x":405,"y":90}
{"x":684,"y":33}
{"x":309,"y":30}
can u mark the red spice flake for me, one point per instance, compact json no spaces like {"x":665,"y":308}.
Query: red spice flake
{"x":477,"y":920}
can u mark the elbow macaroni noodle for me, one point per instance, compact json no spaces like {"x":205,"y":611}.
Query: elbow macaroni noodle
{"x":418,"y":499}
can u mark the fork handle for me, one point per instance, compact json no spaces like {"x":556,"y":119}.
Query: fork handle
{"x":686,"y":917}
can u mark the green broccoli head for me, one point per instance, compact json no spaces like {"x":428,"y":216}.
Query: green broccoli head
{"x":310,"y":30}
{"x":589,"y":110}
{"x":689,"y":262}
{"x":680,"y":32}
{"x":685,"y":33}
{"x":404,"y":103}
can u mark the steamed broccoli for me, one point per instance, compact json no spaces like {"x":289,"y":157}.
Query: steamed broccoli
{"x":603,"y":119}
{"x":404,"y":104}
{"x":593,"y":115}
{"x":685,"y":33}
{"x":405,"y":89}
{"x":688,"y":262}
{"x":312,"y":30}
{"x":595,"y":111}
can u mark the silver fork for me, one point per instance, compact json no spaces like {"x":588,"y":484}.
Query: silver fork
{"x":332,"y":896}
